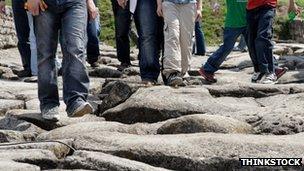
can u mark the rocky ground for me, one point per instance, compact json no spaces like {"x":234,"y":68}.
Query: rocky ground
{"x":197,"y":127}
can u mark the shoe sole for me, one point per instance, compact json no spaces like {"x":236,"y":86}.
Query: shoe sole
{"x":177,"y":82}
{"x":203,"y":75}
{"x":83,"y":110}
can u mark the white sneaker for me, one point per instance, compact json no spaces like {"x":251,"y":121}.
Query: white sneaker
{"x":50,"y":113}
{"x":269,"y":79}
{"x":256,"y":77}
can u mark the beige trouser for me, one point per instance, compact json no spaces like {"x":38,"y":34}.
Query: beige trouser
{"x":178,"y":31}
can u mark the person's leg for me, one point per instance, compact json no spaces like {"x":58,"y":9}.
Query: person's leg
{"x":122,"y":28}
{"x":93,"y":42}
{"x":199,"y":39}
{"x":251,"y":37}
{"x":263,"y":41}
{"x":147,"y":28}
{"x":75,"y":77}
{"x":32,"y":39}
{"x":23,"y":33}
{"x":217,"y":58}
{"x":47,"y":22}
{"x":172,"y":53}
{"x":187,"y":19}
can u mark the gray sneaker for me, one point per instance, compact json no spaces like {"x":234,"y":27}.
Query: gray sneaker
{"x":256,"y":77}
{"x":269,"y":79}
{"x":50,"y":113}
{"x":81,"y":110}
{"x":175,"y":80}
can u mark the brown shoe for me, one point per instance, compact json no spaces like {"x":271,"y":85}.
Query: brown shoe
{"x":207,"y":76}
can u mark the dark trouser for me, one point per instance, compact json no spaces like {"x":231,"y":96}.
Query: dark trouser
{"x":148,"y":26}
{"x":122,"y":28}
{"x":23,"y":33}
{"x":93,"y":41}
{"x":260,"y":33}
{"x":199,"y":40}
{"x":70,"y":17}
{"x":217,"y":58}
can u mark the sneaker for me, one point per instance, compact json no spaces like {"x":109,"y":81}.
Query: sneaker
{"x":123,"y":66}
{"x":81,"y":110}
{"x":207,"y":76}
{"x":269,"y":79}
{"x":279,"y":72}
{"x":24,"y":73}
{"x":256,"y":77}
{"x":175,"y":80}
{"x":50,"y":113}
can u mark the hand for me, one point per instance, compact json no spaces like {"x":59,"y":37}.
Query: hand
{"x":160,"y":10}
{"x":92,"y":9}
{"x":122,"y":3}
{"x":2,"y":7}
{"x":34,"y":6}
{"x":43,"y":6}
{"x":198,"y":15}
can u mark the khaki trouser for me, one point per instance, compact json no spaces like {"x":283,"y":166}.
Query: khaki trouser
{"x":178,"y":31}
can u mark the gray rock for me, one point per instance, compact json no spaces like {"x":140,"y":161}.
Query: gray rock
{"x":204,"y":123}
{"x":15,"y":136}
{"x":35,"y":117}
{"x":57,"y":148}
{"x":201,"y":151}
{"x":105,"y":72}
{"x":253,"y":90}
{"x":80,"y":129}
{"x":131,"y":71}
{"x":292,"y":77}
{"x":15,"y":166}
{"x":161,"y":103}
{"x":11,"y":123}
{"x":45,"y":159}
{"x":118,"y":94}
{"x":6,"y":105}
{"x":101,"y":161}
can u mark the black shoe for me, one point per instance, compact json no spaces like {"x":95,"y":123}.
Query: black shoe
{"x":94,"y":65}
{"x":24,"y":73}
{"x":175,"y":80}
{"x":123,"y":66}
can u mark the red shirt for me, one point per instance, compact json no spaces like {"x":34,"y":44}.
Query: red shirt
{"x":252,"y":4}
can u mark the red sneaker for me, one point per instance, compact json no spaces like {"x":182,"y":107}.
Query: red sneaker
{"x":280,"y":72}
{"x":207,"y":76}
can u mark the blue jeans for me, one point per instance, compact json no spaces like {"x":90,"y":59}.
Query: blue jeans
{"x":199,"y":40}
{"x":70,"y":17}
{"x":217,"y":58}
{"x":93,"y":40}
{"x":23,"y":33}
{"x":149,"y":31}
{"x":260,"y":33}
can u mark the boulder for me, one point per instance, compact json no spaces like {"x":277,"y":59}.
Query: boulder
{"x":204,"y":123}
{"x":6,"y":105}
{"x":118,"y":94}
{"x":45,"y":159}
{"x":101,"y":161}
{"x":105,"y":72}
{"x":35,"y":117}
{"x":79,"y":129}
{"x":201,"y":151}
{"x":11,"y":123}
{"x":161,"y":103}
{"x":15,"y":166}
{"x":15,"y":136}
